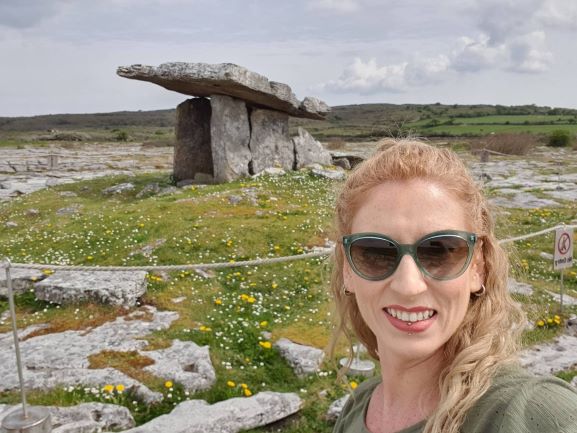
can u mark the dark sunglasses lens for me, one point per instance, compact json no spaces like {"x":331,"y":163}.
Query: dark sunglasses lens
{"x":373,"y":257}
{"x":443,"y":256}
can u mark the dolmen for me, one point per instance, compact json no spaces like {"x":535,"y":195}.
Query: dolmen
{"x":237,"y":123}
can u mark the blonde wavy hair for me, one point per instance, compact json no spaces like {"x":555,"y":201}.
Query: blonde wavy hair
{"x":489,"y":336}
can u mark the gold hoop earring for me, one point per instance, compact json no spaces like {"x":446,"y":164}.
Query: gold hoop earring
{"x":480,"y":292}
{"x":347,"y":292}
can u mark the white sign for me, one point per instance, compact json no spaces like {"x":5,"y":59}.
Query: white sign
{"x":563,"y":256}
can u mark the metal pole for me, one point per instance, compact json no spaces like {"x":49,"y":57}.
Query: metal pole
{"x":561,"y":291}
{"x":27,"y":419}
{"x":15,"y":334}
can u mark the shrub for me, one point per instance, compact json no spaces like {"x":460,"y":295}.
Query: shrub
{"x":122,"y":136}
{"x":559,"y":138}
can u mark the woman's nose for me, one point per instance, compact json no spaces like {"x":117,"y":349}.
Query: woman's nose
{"x":408,"y":280}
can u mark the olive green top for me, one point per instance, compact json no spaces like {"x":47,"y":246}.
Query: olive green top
{"x":516,"y":402}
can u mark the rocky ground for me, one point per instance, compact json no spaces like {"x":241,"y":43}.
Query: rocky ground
{"x":62,"y":358}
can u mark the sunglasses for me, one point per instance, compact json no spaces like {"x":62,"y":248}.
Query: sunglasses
{"x":441,"y":255}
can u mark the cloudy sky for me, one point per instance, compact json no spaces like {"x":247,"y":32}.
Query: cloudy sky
{"x":60,"y":56}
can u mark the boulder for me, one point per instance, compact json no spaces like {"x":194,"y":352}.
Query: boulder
{"x":184,"y":362}
{"x":192,"y":151}
{"x":61,"y":359}
{"x":309,"y":151}
{"x":118,"y":189}
{"x":84,"y":418}
{"x":202,"y":79}
{"x":230,"y":136}
{"x":22,"y":280}
{"x":336,"y":408}
{"x":303,"y":359}
{"x":336,"y":173}
{"x":229,"y":416}
{"x":270,"y":144}
{"x":120,"y":288}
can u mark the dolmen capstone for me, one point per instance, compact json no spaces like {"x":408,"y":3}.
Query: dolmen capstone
{"x":237,"y":123}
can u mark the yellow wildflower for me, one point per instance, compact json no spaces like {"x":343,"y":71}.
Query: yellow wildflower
{"x":274,"y":285}
{"x":265,"y":344}
{"x":247,"y":392}
{"x":168,"y":384}
{"x":120,"y":388}
{"x":263,"y":324}
{"x":243,"y":385}
{"x":353,"y":384}
{"x":230,"y":384}
{"x":540,"y":323}
{"x":108,"y":388}
{"x":250,"y":300}
{"x":218,"y":301}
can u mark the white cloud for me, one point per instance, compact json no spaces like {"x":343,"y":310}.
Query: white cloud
{"x":528,"y":53}
{"x":340,"y":6}
{"x":367,"y":77}
{"x":472,"y":55}
{"x":558,"y":14}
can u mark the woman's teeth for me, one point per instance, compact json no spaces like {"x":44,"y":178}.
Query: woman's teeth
{"x":410,"y":317}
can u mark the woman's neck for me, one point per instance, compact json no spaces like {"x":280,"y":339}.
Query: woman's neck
{"x":409,"y":388}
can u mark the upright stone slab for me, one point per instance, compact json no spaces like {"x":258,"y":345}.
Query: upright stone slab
{"x":230,"y":136}
{"x":192,"y":152}
{"x":309,"y":151}
{"x":270,"y":144}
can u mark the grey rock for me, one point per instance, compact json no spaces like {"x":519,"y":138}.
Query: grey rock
{"x":334,"y":174}
{"x":205,"y":273}
{"x":234,"y":199}
{"x":61,"y":359}
{"x":309,"y":151}
{"x":184,"y":182}
{"x":118,"y":189}
{"x":229,"y":416}
{"x":314,"y":105}
{"x":270,"y":144}
{"x":519,"y":288}
{"x":184,"y":362}
{"x":523,"y":200}
{"x":546,"y":256}
{"x":202,"y":79}
{"x":32,"y":212}
{"x":70,"y":210}
{"x":22,"y":280}
{"x":68,"y":194}
{"x":550,"y":358}
{"x":192,"y":152}
{"x":121,"y":288}
{"x":168,"y":190}
{"x":336,"y":408}
{"x":271,"y":171}
{"x":84,"y":418}
{"x":10,"y":224}
{"x":303,"y":359}
{"x":149,"y":189}
{"x":567,"y":300}
{"x":230,"y":135}
{"x":342,"y":162}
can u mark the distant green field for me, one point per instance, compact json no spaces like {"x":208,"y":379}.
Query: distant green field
{"x":479,"y":130}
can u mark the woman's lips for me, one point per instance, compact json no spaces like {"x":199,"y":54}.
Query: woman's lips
{"x":410,"y":320}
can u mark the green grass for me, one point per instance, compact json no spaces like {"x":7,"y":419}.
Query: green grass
{"x":230,"y":311}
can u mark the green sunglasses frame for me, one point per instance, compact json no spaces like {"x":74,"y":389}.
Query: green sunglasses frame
{"x":410,"y":249}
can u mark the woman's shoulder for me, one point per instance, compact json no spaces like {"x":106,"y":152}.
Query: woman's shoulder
{"x":518,"y":401}
{"x":352,"y":417}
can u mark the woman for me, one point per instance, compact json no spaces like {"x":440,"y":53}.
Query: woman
{"x":421,"y":281}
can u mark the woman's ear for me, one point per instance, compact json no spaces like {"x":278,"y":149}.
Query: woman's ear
{"x":347,"y":275}
{"x":477,"y":271}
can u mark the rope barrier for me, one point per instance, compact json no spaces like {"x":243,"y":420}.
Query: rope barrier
{"x":256,"y":262}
